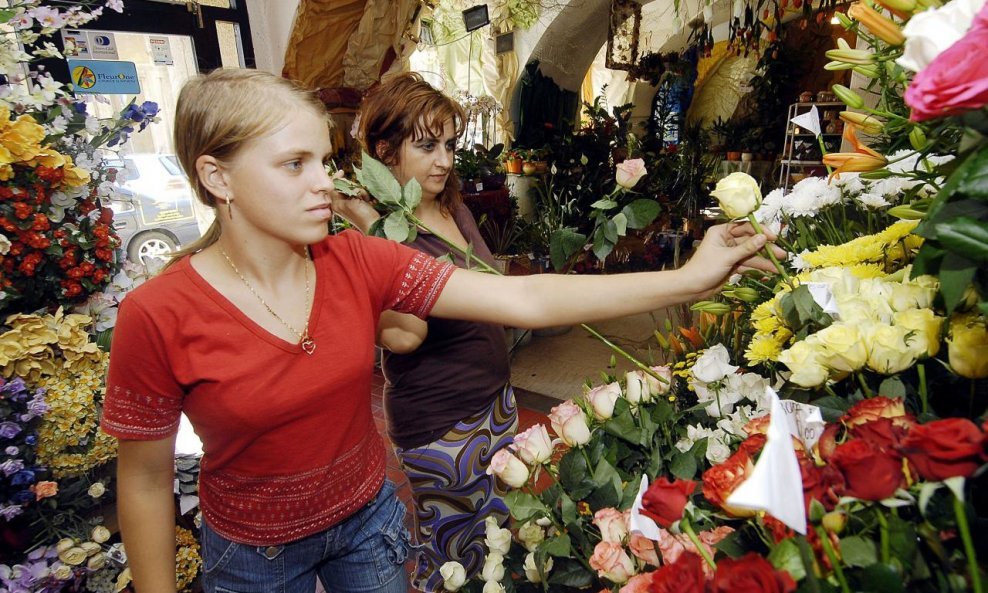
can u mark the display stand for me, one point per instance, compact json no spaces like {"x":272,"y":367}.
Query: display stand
{"x":801,"y":149}
{"x":520,"y":187}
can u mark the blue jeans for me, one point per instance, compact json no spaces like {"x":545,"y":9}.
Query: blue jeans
{"x":363,"y":554}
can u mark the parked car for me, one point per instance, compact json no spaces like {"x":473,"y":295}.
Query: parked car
{"x":154,"y":214}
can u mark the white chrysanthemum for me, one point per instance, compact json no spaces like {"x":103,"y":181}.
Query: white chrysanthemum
{"x":872,"y":200}
{"x":797,"y":261}
{"x":809,"y":196}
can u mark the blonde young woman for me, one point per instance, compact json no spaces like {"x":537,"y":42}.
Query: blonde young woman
{"x":263,"y":334}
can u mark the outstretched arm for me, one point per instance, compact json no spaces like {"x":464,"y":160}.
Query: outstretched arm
{"x":550,"y":299}
{"x":146,"y":504}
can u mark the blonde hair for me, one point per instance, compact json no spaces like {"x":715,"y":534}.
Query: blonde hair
{"x":406,"y":106}
{"x":219,"y":113}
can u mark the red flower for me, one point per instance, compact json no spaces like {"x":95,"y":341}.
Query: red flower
{"x":869,"y":473}
{"x":751,"y":574}
{"x":945,"y":448}
{"x":685,"y":575}
{"x":664,"y":501}
{"x":874,"y":408}
{"x":721,"y":480}
{"x":819,"y":483}
{"x":884,"y":433}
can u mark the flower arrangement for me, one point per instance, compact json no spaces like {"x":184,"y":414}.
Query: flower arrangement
{"x":855,"y":376}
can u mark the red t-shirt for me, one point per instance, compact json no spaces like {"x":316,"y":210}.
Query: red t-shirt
{"x":290,"y":446}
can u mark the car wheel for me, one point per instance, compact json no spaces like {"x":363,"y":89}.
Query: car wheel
{"x":150,"y":244}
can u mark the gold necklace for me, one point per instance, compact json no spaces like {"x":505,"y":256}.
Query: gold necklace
{"x":305,"y":341}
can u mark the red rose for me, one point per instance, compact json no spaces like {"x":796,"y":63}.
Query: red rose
{"x":872,"y":409}
{"x":884,"y":433}
{"x":945,"y":448}
{"x":753,"y":444}
{"x":664,"y":501}
{"x":720,"y":481}
{"x":685,"y":575}
{"x":827,"y":444}
{"x":956,"y":80}
{"x":819,"y":483}
{"x":869,"y":473}
{"x":751,"y":574}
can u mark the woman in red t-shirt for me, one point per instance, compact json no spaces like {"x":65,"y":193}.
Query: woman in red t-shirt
{"x":263,"y":334}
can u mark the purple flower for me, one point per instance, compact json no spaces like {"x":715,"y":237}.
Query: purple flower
{"x":11,"y":450}
{"x":38,"y":405}
{"x":11,"y":466}
{"x":22,"y":497}
{"x":9,"y":512}
{"x":31,"y":439}
{"x":9,"y":430}
{"x":13,"y":386}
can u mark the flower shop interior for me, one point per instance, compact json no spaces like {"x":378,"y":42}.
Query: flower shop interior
{"x":660,"y":452}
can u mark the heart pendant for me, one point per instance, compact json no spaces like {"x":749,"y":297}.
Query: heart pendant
{"x":308,"y":346}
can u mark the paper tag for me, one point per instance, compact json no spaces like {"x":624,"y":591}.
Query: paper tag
{"x":639,"y":522}
{"x":809,"y":120}
{"x":805,"y":422}
{"x":820,"y":291}
{"x":776,"y":484}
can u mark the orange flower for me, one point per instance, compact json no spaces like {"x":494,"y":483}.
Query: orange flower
{"x":44,"y":489}
{"x":861,"y":160}
{"x":881,"y":27}
{"x":721,"y":480}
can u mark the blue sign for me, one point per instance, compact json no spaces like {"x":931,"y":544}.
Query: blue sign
{"x":103,"y":77}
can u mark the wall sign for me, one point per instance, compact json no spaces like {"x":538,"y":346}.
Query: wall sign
{"x":103,"y":77}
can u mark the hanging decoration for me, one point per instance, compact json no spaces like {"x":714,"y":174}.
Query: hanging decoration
{"x":622,"y":34}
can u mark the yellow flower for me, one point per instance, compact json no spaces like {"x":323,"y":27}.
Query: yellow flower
{"x":20,"y":139}
{"x":763,"y":348}
{"x":188,"y":562}
{"x":967,"y":346}
{"x":48,"y":157}
{"x":74,"y":176}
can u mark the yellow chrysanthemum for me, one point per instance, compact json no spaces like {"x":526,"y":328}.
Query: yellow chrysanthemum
{"x":188,"y":562}
{"x":763,"y":348}
{"x":20,"y":139}
{"x":870,"y":248}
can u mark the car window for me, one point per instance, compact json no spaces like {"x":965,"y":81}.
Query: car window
{"x":170,"y":162}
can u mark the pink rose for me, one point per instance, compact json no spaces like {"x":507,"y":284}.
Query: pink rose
{"x":569,"y":423}
{"x":509,"y":468}
{"x":956,"y":80}
{"x":644,"y":549}
{"x":533,"y":445}
{"x":612,"y":563}
{"x":602,"y":399}
{"x":640,"y":583}
{"x":630,"y":172}
{"x":612,"y":523}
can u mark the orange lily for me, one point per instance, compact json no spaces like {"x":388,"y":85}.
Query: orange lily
{"x":693,"y":335}
{"x":882,"y":27}
{"x":861,"y":160}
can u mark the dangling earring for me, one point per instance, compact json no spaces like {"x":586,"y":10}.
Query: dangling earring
{"x":229,"y":206}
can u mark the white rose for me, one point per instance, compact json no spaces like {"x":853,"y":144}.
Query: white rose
{"x":96,"y":561}
{"x":511,"y":470}
{"x":659,"y":387}
{"x":493,"y":569}
{"x":4,"y":245}
{"x":570,"y":424}
{"x":97,"y":489}
{"x":453,"y":575}
{"x":532,"y":571}
{"x":713,"y":365}
{"x":738,"y":195}
{"x":635,"y":387}
{"x":889,"y":352}
{"x":930,"y":33}
{"x":717,"y":450}
{"x":803,"y":359}
{"x":531,"y":535}
{"x":602,"y":399}
{"x":493,"y":587}
{"x":498,"y":539}
{"x":925,"y":327}
{"x":100,"y":534}
{"x":533,"y":445}
{"x":903,"y":297}
{"x":629,"y":173}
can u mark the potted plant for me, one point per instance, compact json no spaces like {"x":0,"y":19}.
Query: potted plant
{"x":512,"y":160}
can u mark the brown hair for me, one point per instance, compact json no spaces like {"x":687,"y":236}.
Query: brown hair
{"x":406,"y":106}
{"x":218,"y":113}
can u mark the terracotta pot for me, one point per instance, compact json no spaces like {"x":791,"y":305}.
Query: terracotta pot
{"x":513,"y":166}
{"x":734,"y":155}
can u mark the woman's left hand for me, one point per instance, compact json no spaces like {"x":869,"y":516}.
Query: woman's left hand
{"x":728,"y":249}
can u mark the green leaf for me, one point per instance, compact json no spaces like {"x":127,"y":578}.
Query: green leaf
{"x":623,"y":426}
{"x":558,"y":546}
{"x":974,"y":180}
{"x":965,"y":236}
{"x":104,"y":339}
{"x":610,"y":231}
{"x":378,"y":180}
{"x":902,"y":540}
{"x":832,"y":408}
{"x":346,"y":187}
{"x":683,"y":465}
{"x":574,"y":474}
{"x":881,"y":578}
{"x":621,"y":222}
{"x":956,"y":274}
{"x":6,"y":14}
{"x":892,"y":387}
{"x":785,"y":556}
{"x":604,"y":204}
{"x":570,"y":573}
{"x":412,"y":193}
{"x":567,"y":510}
{"x":396,"y":227}
{"x":641,"y":213}
{"x":524,"y":506}
{"x":858,"y":551}
{"x":563,"y":243}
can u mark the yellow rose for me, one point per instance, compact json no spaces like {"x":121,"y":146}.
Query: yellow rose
{"x":967,"y":346}
{"x":854,"y":309}
{"x":64,"y":544}
{"x":48,"y":157}
{"x":100,"y":533}
{"x":74,"y":176}
{"x":73,"y":556}
{"x":803,"y":359}
{"x":909,"y":295}
{"x":889,"y":351}
{"x":925,"y":325}
{"x":123,"y":579}
{"x":843,"y":348}
{"x":90,"y":547}
{"x":738,"y":195}
{"x":97,"y":561}
{"x":62,"y":572}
